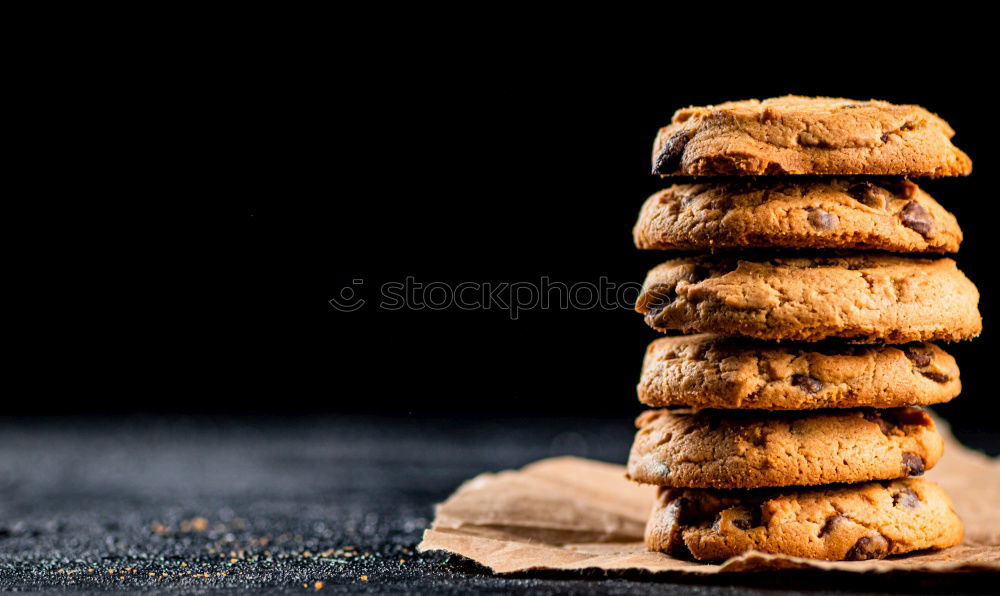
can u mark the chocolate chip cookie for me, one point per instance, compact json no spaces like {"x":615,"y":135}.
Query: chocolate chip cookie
{"x":853,"y":523}
{"x":862,"y":297}
{"x":754,"y":449}
{"x":878,"y":214}
{"x":712,"y":371}
{"x":807,"y":135}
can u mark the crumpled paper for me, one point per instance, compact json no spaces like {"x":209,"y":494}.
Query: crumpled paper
{"x":568,"y":513}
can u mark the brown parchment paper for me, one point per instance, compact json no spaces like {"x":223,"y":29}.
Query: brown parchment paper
{"x":568,"y":513}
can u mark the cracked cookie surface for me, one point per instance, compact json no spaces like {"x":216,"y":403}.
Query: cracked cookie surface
{"x":861,"y":297}
{"x":807,"y":135}
{"x":712,"y":371}
{"x":755,"y":449}
{"x":877,"y":214}
{"x":867,"y":521}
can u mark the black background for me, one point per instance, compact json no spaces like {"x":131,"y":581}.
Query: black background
{"x":188,"y":236}
{"x":187,"y":190}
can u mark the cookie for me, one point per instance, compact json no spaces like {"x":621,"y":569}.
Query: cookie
{"x":807,"y":135}
{"x":852,"y":523}
{"x":712,"y":371}
{"x":754,"y":449}
{"x":877,"y":214}
{"x":862,"y":297}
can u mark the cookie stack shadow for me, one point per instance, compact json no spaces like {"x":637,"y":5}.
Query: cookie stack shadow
{"x":791,"y":416}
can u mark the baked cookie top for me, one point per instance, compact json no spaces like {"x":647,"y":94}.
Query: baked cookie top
{"x":862,"y":297}
{"x":755,"y":449}
{"x":859,"y":522}
{"x":712,"y":371}
{"x":807,"y":135}
{"x":878,"y":214}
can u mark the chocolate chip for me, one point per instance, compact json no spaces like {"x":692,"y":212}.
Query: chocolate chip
{"x":921,"y":359}
{"x":885,"y":137}
{"x":901,"y":187}
{"x":686,"y":511}
{"x":889,"y":415}
{"x":876,"y":417}
{"x":883,"y":426}
{"x":831,"y":524}
{"x":807,"y":383}
{"x":915,"y":217}
{"x":683,"y":511}
{"x":748,"y":519}
{"x":874,"y":546}
{"x":868,"y":194}
{"x":908,"y":416}
{"x":906,"y":498}
{"x":936,"y":376}
{"x":670,"y":156}
{"x":913,"y":464}
{"x":822,"y":219}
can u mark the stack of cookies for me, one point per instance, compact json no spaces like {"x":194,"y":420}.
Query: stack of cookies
{"x":791,"y":418}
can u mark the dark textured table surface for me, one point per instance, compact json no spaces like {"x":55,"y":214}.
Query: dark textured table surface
{"x":195,"y":504}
